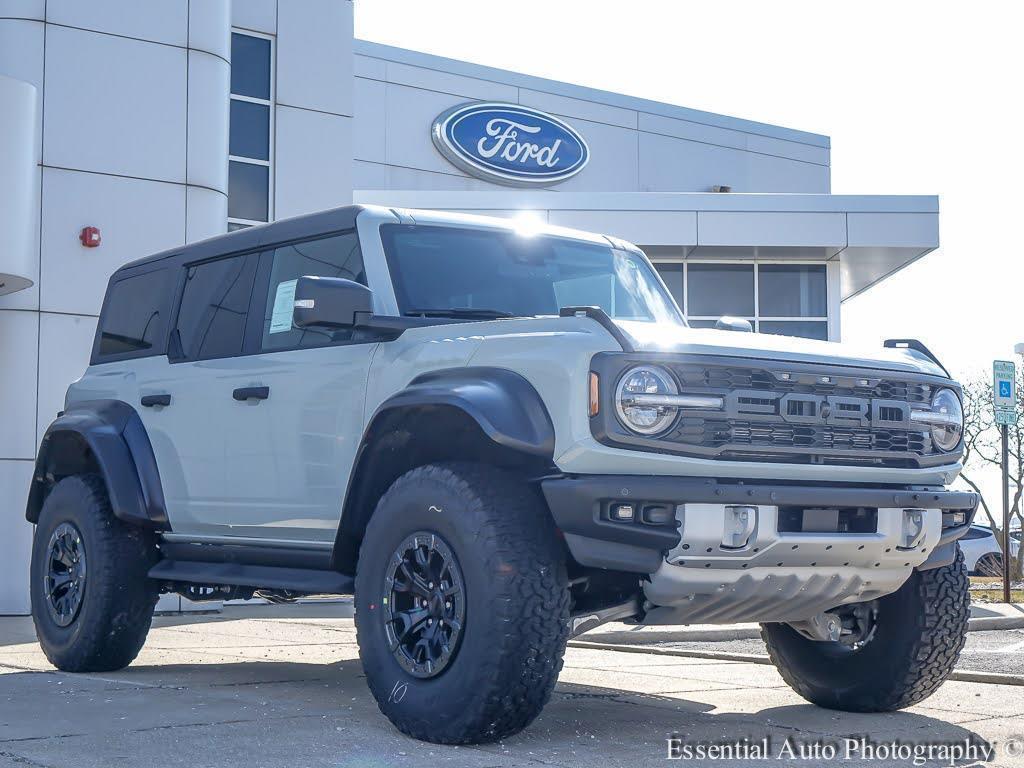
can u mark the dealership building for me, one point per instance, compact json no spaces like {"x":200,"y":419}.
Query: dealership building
{"x":128,"y":128}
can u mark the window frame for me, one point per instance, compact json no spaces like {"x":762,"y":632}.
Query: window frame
{"x":756,"y":318}
{"x":272,"y":116}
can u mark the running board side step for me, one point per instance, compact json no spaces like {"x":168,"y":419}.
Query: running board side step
{"x":309,"y":581}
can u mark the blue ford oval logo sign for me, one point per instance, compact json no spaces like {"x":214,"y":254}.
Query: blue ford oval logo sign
{"x":509,"y":144}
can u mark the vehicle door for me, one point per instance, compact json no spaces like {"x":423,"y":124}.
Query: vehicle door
{"x":189,"y":391}
{"x":289,"y":452}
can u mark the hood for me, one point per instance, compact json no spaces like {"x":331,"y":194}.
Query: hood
{"x":662,"y":337}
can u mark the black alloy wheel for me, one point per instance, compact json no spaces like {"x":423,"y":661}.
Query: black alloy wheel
{"x":64,"y":580}
{"x":424,"y":605}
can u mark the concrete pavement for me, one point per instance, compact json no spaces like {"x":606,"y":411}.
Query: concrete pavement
{"x":282,"y":686}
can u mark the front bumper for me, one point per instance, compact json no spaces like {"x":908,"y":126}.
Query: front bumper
{"x":580,"y":506}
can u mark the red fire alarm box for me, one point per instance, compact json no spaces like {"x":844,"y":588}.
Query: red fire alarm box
{"x":90,"y":236}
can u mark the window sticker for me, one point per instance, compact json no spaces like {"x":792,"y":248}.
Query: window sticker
{"x":284,"y":304}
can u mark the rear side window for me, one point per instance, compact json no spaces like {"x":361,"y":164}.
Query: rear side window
{"x":214,"y":307}
{"x":335,"y":256}
{"x":134,"y":317}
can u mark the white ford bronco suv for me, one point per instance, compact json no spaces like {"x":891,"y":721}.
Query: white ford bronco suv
{"x":495,"y":439}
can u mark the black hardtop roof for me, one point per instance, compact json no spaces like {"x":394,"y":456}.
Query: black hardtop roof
{"x":255,"y":237}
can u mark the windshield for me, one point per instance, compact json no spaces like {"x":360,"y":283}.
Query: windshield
{"x":491,"y":273}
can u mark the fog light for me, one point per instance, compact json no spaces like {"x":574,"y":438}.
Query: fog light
{"x":622,"y":513}
{"x":953,"y":519}
{"x":738,"y":527}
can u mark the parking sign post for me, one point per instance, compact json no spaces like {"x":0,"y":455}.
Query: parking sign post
{"x":1004,"y":400}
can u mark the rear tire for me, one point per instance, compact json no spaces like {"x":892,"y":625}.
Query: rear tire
{"x":102,"y":624}
{"x":919,"y":633}
{"x":509,"y":599}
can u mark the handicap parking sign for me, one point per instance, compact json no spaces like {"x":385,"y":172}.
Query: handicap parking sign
{"x":1005,"y":389}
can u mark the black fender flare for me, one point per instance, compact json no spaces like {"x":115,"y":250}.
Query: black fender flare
{"x":119,"y":448}
{"x":505,"y":406}
{"x":503,"y":403}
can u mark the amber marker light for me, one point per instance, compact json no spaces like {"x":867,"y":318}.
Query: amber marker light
{"x":595,"y":400}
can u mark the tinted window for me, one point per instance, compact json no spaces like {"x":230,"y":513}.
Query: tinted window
{"x":250,"y":66}
{"x":714,"y":290}
{"x":672,"y":274}
{"x":336,"y":256}
{"x":214,"y":307}
{"x":435,"y":269}
{"x":250,"y":130}
{"x":792,"y":290}
{"x":133,"y":318}
{"x":248,"y":191}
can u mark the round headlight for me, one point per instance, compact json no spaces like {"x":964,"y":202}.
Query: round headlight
{"x":633,"y":396}
{"x":946,"y":435}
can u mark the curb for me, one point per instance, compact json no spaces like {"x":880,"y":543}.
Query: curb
{"x":630,"y":634}
{"x":964,"y":676}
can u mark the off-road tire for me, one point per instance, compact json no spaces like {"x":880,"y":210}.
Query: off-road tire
{"x":515,"y":628}
{"x":118,"y":599}
{"x":920,"y":631}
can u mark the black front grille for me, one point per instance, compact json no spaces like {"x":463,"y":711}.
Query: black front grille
{"x":798,"y":413}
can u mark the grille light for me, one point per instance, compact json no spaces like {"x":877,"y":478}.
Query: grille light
{"x":946,"y":419}
{"x":647,"y":400}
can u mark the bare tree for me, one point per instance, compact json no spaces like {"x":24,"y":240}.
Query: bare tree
{"x":983,"y":448}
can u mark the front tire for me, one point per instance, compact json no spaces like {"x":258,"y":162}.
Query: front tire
{"x":918,"y":635}
{"x":462,"y":604}
{"x":92,"y":602}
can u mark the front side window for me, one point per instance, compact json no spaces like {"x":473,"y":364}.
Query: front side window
{"x":335,"y":256}
{"x":214,"y":308}
{"x":250,"y":137}
{"x":450,"y":271}
{"x":133,"y":320}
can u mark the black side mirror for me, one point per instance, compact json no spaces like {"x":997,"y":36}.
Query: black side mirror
{"x":729,"y":323}
{"x":329,"y":302}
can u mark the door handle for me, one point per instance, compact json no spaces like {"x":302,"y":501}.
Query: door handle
{"x":251,"y":393}
{"x":150,"y":400}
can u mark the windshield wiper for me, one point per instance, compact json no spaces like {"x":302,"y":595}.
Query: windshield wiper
{"x":467,"y":312}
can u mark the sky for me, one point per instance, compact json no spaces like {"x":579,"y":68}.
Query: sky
{"x":917,"y":97}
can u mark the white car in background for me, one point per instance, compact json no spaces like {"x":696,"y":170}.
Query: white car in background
{"x":982,"y":555}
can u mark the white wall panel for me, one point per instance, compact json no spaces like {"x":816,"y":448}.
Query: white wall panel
{"x":209,"y":86}
{"x":23,"y":9}
{"x":258,"y":15}
{"x":445,"y":82}
{"x":19,"y":193}
{"x":893,"y":229}
{"x":114,"y":105}
{"x":162,"y":21}
{"x":642,"y":227}
{"x":578,"y":108}
{"x":209,"y":26}
{"x":206,"y":213}
{"x":412,"y":112}
{"x":21,"y":58}
{"x":313,"y":168}
{"x":19,"y":337}
{"x":767,"y":173}
{"x":314,"y":55}
{"x":755,"y":228}
{"x":65,"y":345}
{"x":16,"y":541}
{"x":369,"y":129}
{"x":367,"y":66}
{"x":613,"y":160}
{"x":135,"y":217}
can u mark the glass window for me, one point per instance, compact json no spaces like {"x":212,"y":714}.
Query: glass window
{"x":805,"y":328}
{"x":250,"y":130}
{"x":450,"y":270}
{"x":672,"y":274}
{"x":250,"y":66}
{"x":720,"y":289}
{"x":133,"y":318}
{"x":214,"y":307}
{"x":337,"y":256}
{"x":791,"y":290}
{"x":248,"y":191}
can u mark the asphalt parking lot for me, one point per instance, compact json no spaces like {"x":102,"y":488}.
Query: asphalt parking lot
{"x":282,"y":686}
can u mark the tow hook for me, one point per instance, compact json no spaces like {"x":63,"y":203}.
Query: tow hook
{"x":825,"y":627}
